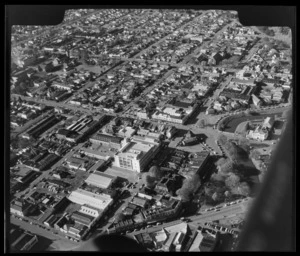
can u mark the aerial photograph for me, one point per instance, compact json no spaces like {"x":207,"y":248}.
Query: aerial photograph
{"x":156,"y":127}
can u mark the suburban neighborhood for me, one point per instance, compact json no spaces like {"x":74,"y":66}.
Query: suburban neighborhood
{"x":154,"y":124}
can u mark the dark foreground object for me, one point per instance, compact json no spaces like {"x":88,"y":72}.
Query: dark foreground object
{"x":112,"y":243}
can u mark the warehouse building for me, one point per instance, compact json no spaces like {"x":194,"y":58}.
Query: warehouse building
{"x":41,"y":127}
{"x":101,"y":180}
{"x":108,"y":140}
{"x":21,"y":240}
{"x":99,"y":201}
{"x":82,"y":218}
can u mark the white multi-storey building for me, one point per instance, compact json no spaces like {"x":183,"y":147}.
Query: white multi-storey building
{"x":136,"y":155}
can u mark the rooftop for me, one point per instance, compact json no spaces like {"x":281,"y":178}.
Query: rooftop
{"x":100,"y":201}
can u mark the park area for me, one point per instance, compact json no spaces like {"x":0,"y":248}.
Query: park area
{"x":233,"y":122}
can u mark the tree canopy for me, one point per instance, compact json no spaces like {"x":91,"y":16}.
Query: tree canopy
{"x":232,"y":181}
{"x":155,"y":172}
{"x":244,"y":189}
{"x":226,"y":166}
{"x":222,"y":139}
{"x":189,"y":187}
{"x":150,"y":181}
{"x":119,"y":217}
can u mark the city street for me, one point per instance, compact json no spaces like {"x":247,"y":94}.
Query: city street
{"x":202,"y":218}
{"x":162,"y":39}
{"x":58,"y":242}
{"x":45,"y":173}
{"x":167,"y":91}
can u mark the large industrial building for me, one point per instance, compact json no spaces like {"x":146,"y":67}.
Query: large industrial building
{"x":41,"y":127}
{"x":98,"y":201}
{"x":21,"y":240}
{"x":101,"y":180}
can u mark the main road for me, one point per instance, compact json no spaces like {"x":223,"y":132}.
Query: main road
{"x":58,"y":241}
{"x":224,"y":212}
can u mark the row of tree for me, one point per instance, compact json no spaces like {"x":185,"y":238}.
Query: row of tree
{"x":234,"y":150}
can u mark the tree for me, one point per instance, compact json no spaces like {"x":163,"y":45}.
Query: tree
{"x":232,"y":181}
{"x":155,"y":172}
{"x":244,"y":189}
{"x":215,"y":196}
{"x":244,"y":144}
{"x":284,"y":30}
{"x":248,"y":112}
{"x":221,"y":161}
{"x":185,"y":194}
{"x":254,"y":154}
{"x":226,"y":166}
{"x":202,"y":123}
{"x":189,"y":187}
{"x":218,"y":176}
{"x":119,"y":217}
{"x":227,"y":193}
{"x":233,"y":151}
{"x":266,"y":30}
{"x":222,"y":139}
{"x":194,"y":183}
{"x":150,"y":181}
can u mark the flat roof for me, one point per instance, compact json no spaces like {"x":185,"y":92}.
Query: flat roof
{"x":138,"y":147}
{"x":83,"y":197}
{"x":101,"y":151}
{"x":99,"y":180}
